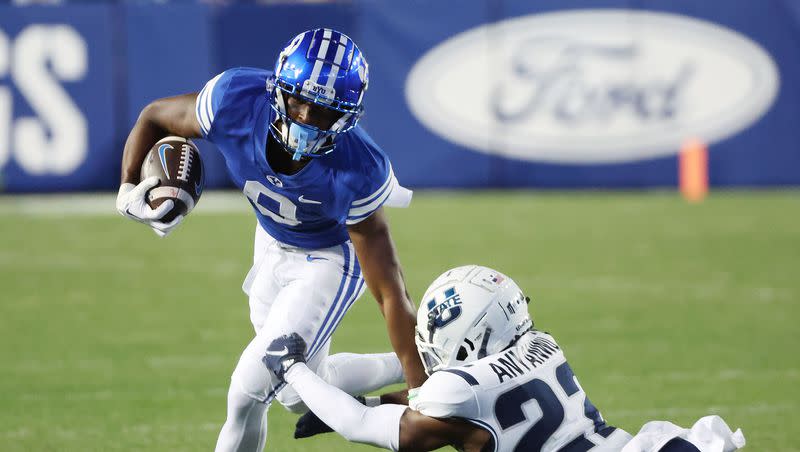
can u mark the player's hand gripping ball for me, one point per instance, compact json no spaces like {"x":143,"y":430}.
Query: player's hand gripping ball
{"x":176,"y":162}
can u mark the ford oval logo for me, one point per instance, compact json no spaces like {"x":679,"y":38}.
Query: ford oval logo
{"x":591,"y":86}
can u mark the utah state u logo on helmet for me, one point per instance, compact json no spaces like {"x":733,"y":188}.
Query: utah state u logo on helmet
{"x":442,"y":314}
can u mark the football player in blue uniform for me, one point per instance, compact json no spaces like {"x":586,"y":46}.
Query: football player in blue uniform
{"x":496,"y":384}
{"x":317,"y":183}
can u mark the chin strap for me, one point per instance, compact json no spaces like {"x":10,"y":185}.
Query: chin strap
{"x":299,"y":137}
{"x":431,"y":325}
{"x":484,"y":343}
{"x":301,"y":144}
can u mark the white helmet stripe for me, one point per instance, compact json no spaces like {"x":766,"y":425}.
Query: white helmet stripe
{"x":323,"y":50}
{"x":337,"y":61}
{"x":340,"y":50}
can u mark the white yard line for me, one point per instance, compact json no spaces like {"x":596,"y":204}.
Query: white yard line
{"x":104,"y":204}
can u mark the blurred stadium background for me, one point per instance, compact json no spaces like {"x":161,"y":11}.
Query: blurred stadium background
{"x":545,"y":138}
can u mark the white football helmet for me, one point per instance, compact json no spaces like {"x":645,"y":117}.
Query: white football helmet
{"x":468,"y":313}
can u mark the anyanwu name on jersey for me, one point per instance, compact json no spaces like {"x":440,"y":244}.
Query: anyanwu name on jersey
{"x":537,"y":351}
{"x":308,"y":209}
{"x":527,"y":397}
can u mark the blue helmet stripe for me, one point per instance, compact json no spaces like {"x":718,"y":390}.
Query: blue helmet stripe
{"x":325,"y":78}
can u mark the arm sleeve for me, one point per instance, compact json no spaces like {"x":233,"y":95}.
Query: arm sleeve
{"x":378,"y":426}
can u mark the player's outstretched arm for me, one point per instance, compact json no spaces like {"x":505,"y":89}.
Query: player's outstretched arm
{"x":378,"y":426}
{"x":394,"y":427}
{"x":160,"y":118}
{"x":309,"y":424}
{"x":416,"y":432}
{"x":422,"y":433}
{"x":384,"y":277}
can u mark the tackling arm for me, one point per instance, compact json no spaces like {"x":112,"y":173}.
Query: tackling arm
{"x":422,"y":433}
{"x":394,"y":427}
{"x":376,"y":253}
{"x":378,"y":426}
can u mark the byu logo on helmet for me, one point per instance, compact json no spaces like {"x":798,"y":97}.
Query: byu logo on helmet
{"x":324,"y":67}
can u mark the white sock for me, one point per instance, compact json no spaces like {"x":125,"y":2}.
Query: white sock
{"x":358,"y":374}
{"x":245,"y":429}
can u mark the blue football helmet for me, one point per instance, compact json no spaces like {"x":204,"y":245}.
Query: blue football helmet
{"x":321,"y":66}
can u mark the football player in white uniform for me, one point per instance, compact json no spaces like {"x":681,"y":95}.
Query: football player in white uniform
{"x":496,"y":384}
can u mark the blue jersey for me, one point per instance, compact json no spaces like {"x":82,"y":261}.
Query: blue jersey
{"x":308,"y":209}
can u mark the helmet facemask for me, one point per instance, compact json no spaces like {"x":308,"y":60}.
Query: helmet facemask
{"x":468,"y":347}
{"x":304,"y":140}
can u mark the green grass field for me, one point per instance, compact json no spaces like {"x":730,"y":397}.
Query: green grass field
{"x":114,"y":340}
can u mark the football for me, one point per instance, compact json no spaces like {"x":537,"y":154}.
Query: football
{"x":177,"y":164}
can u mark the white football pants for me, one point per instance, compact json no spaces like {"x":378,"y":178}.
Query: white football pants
{"x":306,"y":292}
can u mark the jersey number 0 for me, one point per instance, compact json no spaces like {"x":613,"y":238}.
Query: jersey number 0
{"x":287,"y":210}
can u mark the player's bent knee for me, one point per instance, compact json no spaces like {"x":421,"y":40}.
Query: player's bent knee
{"x":240,"y":404}
{"x":253,"y":379}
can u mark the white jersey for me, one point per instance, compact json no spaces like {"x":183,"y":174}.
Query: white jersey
{"x":709,"y":434}
{"x":527,"y":397}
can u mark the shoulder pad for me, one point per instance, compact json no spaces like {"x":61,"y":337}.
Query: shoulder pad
{"x":226,"y":101}
{"x":446,"y":394}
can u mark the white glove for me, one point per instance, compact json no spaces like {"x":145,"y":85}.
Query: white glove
{"x":163,"y":229}
{"x":131,"y":203}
